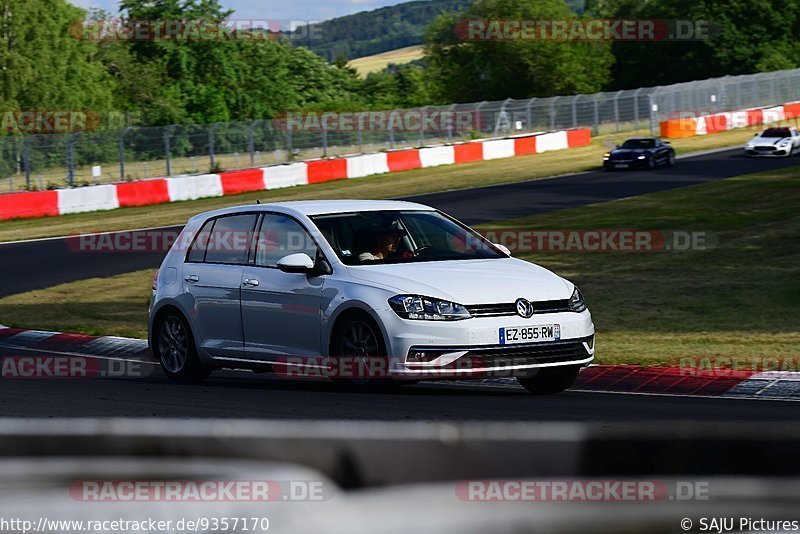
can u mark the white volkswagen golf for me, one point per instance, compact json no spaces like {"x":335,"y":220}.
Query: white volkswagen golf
{"x":361,"y":291}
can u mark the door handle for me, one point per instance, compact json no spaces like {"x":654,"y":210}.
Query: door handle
{"x":251,"y":282}
{"x":191,"y":278}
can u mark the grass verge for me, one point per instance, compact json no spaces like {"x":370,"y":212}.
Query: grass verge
{"x":738,"y":298}
{"x":419,"y":181}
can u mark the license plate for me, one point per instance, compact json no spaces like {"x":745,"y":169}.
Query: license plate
{"x":529,"y":334}
{"x":621,"y":165}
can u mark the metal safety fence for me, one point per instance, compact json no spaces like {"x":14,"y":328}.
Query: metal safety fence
{"x":48,"y":161}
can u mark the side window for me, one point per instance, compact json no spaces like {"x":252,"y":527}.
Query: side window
{"x":230,"y":239}
{"x":197,"y":254}
{"x":279,"y":237}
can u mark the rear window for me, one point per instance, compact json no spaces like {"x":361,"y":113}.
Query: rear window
{"x":223,"y":240}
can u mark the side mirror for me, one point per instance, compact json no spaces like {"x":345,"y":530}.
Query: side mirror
{"x":755,"y":134}
{"x":617,"y":146}
{"x":296,"y":263}
{"x":502,"y":248}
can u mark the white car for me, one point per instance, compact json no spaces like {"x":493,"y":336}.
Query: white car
{"x":774,"y":142}
{"x":358,"y":291}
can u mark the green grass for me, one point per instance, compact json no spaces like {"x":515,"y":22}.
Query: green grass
{"x":377,"y":62}
{"x":739,"y":298}
{"x":375,"y":187}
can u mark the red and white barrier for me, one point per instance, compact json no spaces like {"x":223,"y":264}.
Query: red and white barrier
{"x":178,"y":188}
{"x":280,"y":176}
{"x":727,"y":120}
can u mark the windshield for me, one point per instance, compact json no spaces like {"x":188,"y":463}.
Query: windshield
{"x":378,"y":237}
{"x":776,"y":132}
{"x":639,"y":143}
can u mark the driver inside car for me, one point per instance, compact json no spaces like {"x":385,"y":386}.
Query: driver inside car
{"x":379,"y":243}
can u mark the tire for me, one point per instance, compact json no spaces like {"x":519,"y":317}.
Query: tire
{"x":358,"y":338}
{"x":550,"y":380}
{"x":174,"y":346}
{"x":651,"y":162}
{"x":671,"y":159}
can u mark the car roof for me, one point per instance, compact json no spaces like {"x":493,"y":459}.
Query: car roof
{"x":642,"y":139}
{"x":320,"y":207}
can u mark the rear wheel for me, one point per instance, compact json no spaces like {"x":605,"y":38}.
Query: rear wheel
{"x":550,"y":380}
{"x":176,"y":351}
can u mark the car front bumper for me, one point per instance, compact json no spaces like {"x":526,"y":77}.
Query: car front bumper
{"x":472,"y":347}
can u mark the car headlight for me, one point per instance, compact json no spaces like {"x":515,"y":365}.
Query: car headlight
{"x":784,"y":143}
{"x":576,"y":302}
{"x":607,"y":155}
{"x":641,"y":157}
{"x":750,"y":145}
{"x":427,"y":308}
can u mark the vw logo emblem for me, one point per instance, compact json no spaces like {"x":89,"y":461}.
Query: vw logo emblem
{"x":524,"y":308}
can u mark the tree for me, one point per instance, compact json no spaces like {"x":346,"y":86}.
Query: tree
{"x":745,"y":37}
{"x":45,"y":66}
{"x":470,"y":70}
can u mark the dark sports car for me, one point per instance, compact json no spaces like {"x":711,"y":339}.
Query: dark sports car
{"x":638,"y":152}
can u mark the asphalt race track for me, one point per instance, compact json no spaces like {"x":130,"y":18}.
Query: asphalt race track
{"x":39,"y":264}
{"x":44,"y":263}
{"x":265,"y":396}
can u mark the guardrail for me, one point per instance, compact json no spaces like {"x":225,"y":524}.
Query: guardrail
{"x":190,"y":187}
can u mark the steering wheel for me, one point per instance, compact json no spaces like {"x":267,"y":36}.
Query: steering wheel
{"x":422,"y":250}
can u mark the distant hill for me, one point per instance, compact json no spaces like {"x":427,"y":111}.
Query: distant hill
{"x":385,"y":29}
{"x":377,"y":62}
{"x":380,"y":30}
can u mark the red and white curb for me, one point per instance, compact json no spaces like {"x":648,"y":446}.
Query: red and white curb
{"x":632,"y":379}
{"x":191,"y":187}
{"x":107,"y":347}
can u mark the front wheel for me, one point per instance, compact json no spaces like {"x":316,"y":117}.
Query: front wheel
{"x":671,"y":159}
{"x":359,"y":349}
{"x":177,"y":353}
{"x":550,"y":380}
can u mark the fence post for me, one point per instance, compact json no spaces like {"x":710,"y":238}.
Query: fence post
{"x":616,"y":111}
{"x":167,"y":133}
{"x":251,"y":144}
{"x":71,"y":160}
{"x":653,"y":113}
{"x":480,"y":117}
{"x":26,"y":160}
{"x":211,"y":144}
{"x":553,"y":112}
{"x":596,"y":114}
{"x":122,"y":153}
{"x":324,"y":139}
{"x":452,"y":118}
{"x":529,"y":114}
{"x":575,"y":111}
{"x":636,"y":106}
{"x":360,"y":133}
{"x":422,"y":126}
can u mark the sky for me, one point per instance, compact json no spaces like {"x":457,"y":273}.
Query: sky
{"x":282,"y":10}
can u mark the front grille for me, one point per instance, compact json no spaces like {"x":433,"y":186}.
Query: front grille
{"x":766,"y":148}
{"x":508,"y":309}
{"x":506,"y":356}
